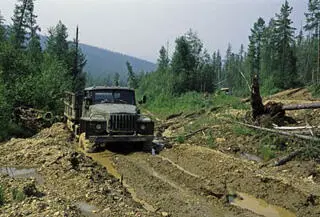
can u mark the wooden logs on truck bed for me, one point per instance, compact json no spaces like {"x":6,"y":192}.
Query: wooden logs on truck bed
{"x":33,"y":119}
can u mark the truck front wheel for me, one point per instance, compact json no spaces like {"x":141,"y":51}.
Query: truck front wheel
{"x":86,"y":145}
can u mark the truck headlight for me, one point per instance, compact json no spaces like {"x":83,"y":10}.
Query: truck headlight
{"x":98,"y":126}
{"x":143,"y":127}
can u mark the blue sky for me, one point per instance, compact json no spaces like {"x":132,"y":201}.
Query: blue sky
{"x":141,"y":27}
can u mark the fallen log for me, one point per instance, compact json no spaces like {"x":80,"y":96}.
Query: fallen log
{"x":310,"y":138}
{"x":174,"y":116}
{"x":288,"y":158}
{"x":296,"y":128}
{"x":195,"y":132}
{"x":188,"y":136}
{"x":314,"y":105}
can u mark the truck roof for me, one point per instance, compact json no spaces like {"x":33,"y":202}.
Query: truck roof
{"x":107,"y":88}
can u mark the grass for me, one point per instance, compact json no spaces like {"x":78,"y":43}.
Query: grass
{"x":17,"y":195}
{"x":267,"y":152}
{"x":180,"y":139}
{"x":243,"y":131}
{"x":211,"y":141}
{"x":2,"y":199}
{"x":165,"y":104}
{"x":315,"y":90}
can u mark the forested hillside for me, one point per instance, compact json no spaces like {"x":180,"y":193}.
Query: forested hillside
{"x":103,"y":64}
{"x":281,"y":56}
{"x":30,"y":76}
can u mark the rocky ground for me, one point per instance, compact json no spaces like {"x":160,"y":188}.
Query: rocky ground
{"x":67,"y":182}
{"x":221,"y":170}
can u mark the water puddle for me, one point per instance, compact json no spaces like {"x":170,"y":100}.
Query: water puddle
{"x":251,"y":157}
{"x":87,"y":209}
{"x":258,"y":206}
{"x":22,"y":173}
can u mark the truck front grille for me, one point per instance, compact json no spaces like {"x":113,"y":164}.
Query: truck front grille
{"x":122,"y":123}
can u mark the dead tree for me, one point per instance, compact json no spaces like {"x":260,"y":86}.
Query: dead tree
{"x":256,"y":100}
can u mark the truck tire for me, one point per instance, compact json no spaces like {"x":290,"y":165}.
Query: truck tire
{"x":86,"y":145}
{"x":147,"y":146}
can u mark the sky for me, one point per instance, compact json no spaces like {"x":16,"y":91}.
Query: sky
{"x":140,"y":27}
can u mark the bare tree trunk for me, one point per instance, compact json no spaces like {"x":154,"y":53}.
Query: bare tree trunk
{"x":256,"y":100}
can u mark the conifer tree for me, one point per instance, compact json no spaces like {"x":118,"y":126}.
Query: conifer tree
{"x":163,"y":61}
{"x":285,"y":57}
{"x":313,"y":25}
{"x":132,"y":79}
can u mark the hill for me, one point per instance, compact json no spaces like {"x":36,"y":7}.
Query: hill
{"x":103,"y":62}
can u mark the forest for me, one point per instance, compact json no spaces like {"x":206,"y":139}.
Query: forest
{"x":281,"y":56}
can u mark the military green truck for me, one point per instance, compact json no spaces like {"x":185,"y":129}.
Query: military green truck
{"x":103,"y":115}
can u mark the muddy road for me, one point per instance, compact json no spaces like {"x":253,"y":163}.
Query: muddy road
{"x":218,"y":172}
{"x":185,"y":180}
{"x":196,"y":181}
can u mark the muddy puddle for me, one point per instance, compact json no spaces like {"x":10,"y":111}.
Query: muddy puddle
{"x":259,"y":206}
{"x":22,"y":173}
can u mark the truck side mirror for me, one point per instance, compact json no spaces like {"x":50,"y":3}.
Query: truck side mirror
{"x":143,"y":100}
{"x":87,"y":102}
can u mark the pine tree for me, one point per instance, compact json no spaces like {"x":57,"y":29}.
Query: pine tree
{"x":76,"y":61}
{"x":57,"y":44}
{"x":132,"y":79}
{"x":163,"y":61}
{"x":18,"y":30}
{"x":2,"y":29}
{"x":116,"y":79}
{"x":313,"y":25}
{"x":34,"y":45}
{"x":255,"y":46}
{"x":286,"y":59}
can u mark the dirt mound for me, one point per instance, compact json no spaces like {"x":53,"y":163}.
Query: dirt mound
{"x":71,"y":184}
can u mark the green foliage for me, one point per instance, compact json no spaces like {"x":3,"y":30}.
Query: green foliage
{"x":17,"y":195}
{"x":242,"y":131}
{"x":180,"y":139}
{"x":266,"y":152}
{"x":211,"y":141}
{"x":2,"y":198}
{"x":32,"y":77}
{"x":132,"y":79}
{"x":163,"y":61}
{"x":315,"y":90}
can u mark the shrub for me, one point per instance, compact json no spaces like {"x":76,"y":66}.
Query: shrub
{"x":17,"y":195}
{"x":180,"y":139}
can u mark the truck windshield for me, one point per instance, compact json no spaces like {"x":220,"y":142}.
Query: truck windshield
{"x":114,"y":96}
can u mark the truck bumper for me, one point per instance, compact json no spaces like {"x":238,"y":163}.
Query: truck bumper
{"x":121,"y":138}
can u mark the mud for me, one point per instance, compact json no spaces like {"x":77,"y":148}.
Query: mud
{"x":69,"y":177}
{"x":259,"y":206}
{"x":220,"y":171}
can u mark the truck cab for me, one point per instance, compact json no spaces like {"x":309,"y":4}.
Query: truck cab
{"x":103,"y":115}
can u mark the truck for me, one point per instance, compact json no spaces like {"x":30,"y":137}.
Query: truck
{"x":102,"y":115}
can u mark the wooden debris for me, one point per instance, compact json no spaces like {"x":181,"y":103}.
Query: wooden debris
{"x":288,"y":158}
{"x":310,"y":138}
{"x":314,"y":105}
{"x":174,"y":116}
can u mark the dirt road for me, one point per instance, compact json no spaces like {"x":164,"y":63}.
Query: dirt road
{"x":206,"y":175}
{"x":196,"y":181}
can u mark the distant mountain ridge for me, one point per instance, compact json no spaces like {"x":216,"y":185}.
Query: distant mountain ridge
{"x":103,"y":62}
